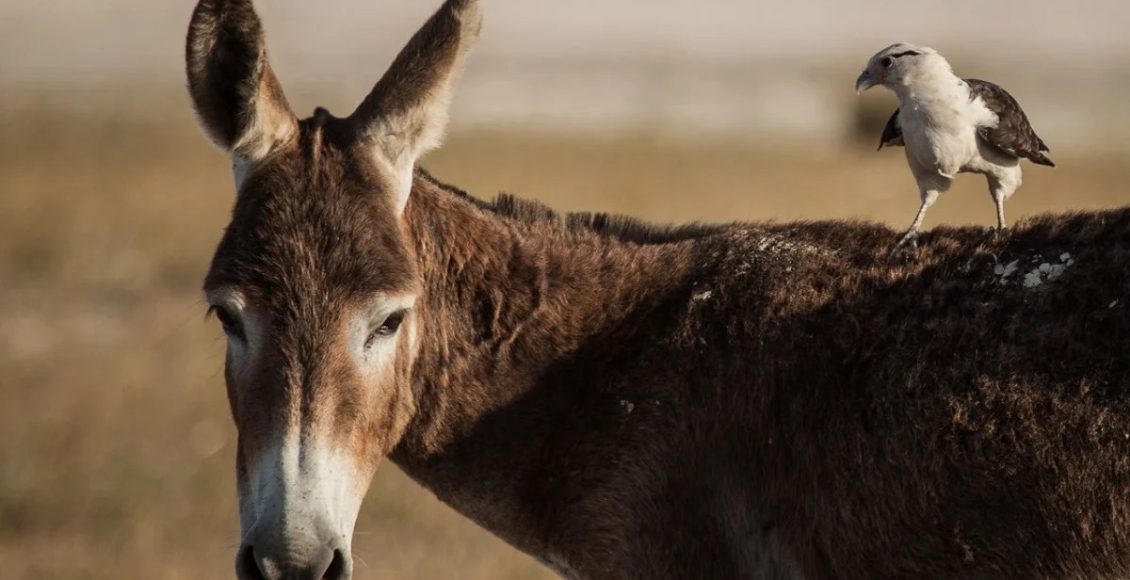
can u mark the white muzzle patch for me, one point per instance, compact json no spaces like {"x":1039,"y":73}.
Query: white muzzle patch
{"x":303,"y":491}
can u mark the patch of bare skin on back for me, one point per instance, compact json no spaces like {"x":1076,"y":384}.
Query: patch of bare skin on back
{"x":748,"y":247}
{"x":764,"y":243}
{"x":781,"y":245}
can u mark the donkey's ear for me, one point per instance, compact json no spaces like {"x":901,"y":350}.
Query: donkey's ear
{"x":240,"y":102}
{"x":405,"y":115}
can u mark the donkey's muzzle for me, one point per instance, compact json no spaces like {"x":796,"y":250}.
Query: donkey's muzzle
{"x":264,"y":558}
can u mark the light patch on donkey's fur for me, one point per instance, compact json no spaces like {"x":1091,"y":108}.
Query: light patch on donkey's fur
{"x":1006,"y":270}
{"x":702,"y":295}
{"x":1038,"y":270}
{"x":1046,"y":272}
{"x":300,"y":487}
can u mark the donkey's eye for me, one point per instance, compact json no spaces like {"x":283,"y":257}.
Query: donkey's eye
{"x":387,"y":328}
{"x":231,"y":324}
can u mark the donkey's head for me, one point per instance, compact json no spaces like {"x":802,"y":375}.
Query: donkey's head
{"x":314,"y":280}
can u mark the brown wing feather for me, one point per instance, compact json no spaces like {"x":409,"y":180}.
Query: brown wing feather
{"x":892,"y":133}
{"x":1013,"y":134}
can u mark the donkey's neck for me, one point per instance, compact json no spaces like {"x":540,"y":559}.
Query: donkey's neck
{"x":511,"y":309}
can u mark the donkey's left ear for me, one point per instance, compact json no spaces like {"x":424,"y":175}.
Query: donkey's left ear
{"x":240,"y":102}
{"x":405,"y":115}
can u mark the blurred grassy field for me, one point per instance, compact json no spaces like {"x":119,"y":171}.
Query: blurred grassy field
{"x":116,"y":449}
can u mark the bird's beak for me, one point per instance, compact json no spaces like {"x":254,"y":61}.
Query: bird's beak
{"x":864,"y":82}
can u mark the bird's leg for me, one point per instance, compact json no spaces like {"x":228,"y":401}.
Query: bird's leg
{"x":999,"y":200}
{"x":1001,"y":187}
{"x":911,"y":236}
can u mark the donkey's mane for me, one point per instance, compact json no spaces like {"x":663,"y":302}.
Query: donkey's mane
{"x":857,"y":241}
{"x":615,"y":226}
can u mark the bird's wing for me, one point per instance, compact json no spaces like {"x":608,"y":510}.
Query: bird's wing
{"x":892,"y":133}
{"x":1013,"y":134}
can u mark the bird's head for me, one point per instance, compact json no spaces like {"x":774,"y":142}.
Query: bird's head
{"x":896,"y":65}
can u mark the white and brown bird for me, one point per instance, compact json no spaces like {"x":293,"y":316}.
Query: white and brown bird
{"x":951,"y":125}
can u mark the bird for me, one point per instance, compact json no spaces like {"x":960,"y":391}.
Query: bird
{"x":950,"y":125}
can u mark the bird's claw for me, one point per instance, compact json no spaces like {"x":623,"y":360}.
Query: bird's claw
{"x":995,"y":233}
{"x":909,"y":241}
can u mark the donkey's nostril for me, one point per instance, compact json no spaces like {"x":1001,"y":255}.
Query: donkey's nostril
{"x":246,"y":568}
{"x":339,"y":567}
{"x":330,"y":564}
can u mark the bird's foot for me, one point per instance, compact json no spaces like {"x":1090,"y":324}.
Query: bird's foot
{"x":909,"y":241}
{"x":995,"y":233}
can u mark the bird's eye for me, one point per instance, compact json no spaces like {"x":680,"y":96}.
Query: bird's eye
{"x":387,"y":328}
{"x":231,"y":324}
{"x":887,"y":62}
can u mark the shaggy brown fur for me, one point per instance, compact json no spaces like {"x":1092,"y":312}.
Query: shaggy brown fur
{"x":733,"y":401}
{"x":756,"y":398}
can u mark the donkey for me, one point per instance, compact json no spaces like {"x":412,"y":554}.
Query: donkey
{"x":627,"y":401}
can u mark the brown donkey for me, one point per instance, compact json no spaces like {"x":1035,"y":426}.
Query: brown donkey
{"x":623,"y":401}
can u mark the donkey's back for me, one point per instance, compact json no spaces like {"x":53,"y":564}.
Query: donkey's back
{"x":963,"y":414}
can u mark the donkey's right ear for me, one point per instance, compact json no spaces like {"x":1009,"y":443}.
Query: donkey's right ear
{"x":240,"y":102}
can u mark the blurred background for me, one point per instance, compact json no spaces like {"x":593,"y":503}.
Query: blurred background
{"x":116,"y":448}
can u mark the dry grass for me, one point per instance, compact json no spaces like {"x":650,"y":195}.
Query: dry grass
{"x":115,"y":444}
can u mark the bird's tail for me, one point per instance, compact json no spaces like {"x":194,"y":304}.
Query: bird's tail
{"x":1041,"y":159}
